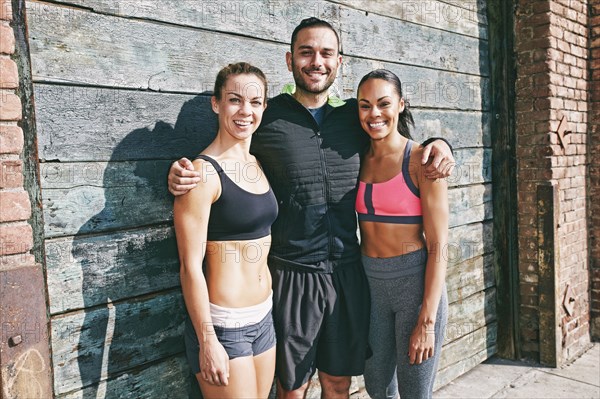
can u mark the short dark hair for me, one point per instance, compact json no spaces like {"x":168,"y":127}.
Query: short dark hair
{"x":313,"y":22}
{"x":405,"y":119}
{"x":239,"y":68}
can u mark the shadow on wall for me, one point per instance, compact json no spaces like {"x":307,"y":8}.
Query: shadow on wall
{"x":131,"y":334}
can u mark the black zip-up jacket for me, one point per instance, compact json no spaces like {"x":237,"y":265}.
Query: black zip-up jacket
{"x":313,"y":171}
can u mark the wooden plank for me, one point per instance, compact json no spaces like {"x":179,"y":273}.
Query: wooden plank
{"x":164,"y":125}
{"x":469,"y":344}
{"x":473,"y":166}
{"x":118,"y":125}
{"x":90,"y":346}
{"x":446,"y":375}
{"x":469,"y":277}
{"x":80,"y":198}
{"x":470,"y":204}
{"x":470,"y":314}
{"x":172,"y":373}
{"x":468,"y":241}
{"x":467,"y":362}
{"x":87,"y":271}
{"x":423,"y":87}
{"x":461,"y":129}
{"x":113,"y":124}
{"x":463,"y":19}
{"x":73,"y":46}
{"x":261,"y":19}
{"x":368,"y":36}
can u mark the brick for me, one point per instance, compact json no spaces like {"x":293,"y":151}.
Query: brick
{"x":11,"y":139}
{"x":578,"y":51}
{"x":571,"y":14}
{"x":11,"y":174}
{"x":7,"y":40}
{"x":540,"y":55}
{"x":545,"y":30}
{"x":552,"y":78}
{"x":8,"y":262}
{"x":14,"y":206}
{"x":571,"y":82}
{"x":570,"y":105}
{"x":555,"y":31}
{"x":526,"y":45}
{"x":569,"y":59}
{"x":556,"y":8}
{"x":6,"y":10}
{"x":538,"y":19}
{"x":10,"y":107}
{"x":539,"y":7}
{"x":9,"y":75}
{"x":542,"y":103}
{"x":15,"y":238}
{"x":577,"y":6}
{"x":563,"y":69}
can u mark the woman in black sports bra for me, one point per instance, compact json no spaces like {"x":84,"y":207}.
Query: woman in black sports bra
{"x":225,"y":224}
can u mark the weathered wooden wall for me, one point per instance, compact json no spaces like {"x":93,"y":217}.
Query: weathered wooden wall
{"x":118,"y":91}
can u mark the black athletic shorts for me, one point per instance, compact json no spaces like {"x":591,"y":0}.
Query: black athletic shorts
{"x":250,"y":340}
{"x":321,"y":321}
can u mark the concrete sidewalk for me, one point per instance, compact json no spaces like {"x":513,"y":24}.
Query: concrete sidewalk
{"x":499,"y":378}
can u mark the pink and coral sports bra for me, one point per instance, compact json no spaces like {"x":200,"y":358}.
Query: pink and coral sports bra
{"x":394,"y":201}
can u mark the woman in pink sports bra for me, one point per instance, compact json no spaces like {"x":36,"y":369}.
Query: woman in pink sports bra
{"x":403,"y":220}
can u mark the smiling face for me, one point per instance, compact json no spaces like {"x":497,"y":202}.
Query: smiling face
{"x":241,"y":105}
{"x":379,"y":107}
{"x":315,"y":59}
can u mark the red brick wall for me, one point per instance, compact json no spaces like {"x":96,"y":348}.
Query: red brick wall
{"x":16,"y":238}
{"x":551,"y":39}
{"x":594,"y":167}
{"x":24,"y":352}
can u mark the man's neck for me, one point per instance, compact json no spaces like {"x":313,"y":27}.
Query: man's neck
{"x":311,"y":100}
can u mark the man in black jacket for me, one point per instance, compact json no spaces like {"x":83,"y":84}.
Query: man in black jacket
{"x":309,"y":144}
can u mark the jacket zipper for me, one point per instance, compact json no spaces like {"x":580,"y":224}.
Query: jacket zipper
{"x":325,"y":178}
{"x":325,"y":191}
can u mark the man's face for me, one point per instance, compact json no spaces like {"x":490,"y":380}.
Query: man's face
{"x":315,"y":59}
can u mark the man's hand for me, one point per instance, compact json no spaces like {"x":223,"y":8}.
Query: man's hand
{"x":182,"y":177}
{"x":438,"y":159}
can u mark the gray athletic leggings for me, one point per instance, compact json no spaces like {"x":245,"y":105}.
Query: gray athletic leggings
{"x":397,"y":285}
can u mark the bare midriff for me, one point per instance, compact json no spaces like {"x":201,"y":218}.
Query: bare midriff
{"x":237,"y":274}
{"x":385,"y":240}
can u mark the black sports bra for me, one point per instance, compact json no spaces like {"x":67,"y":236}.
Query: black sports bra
{"x":239,"y":214}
